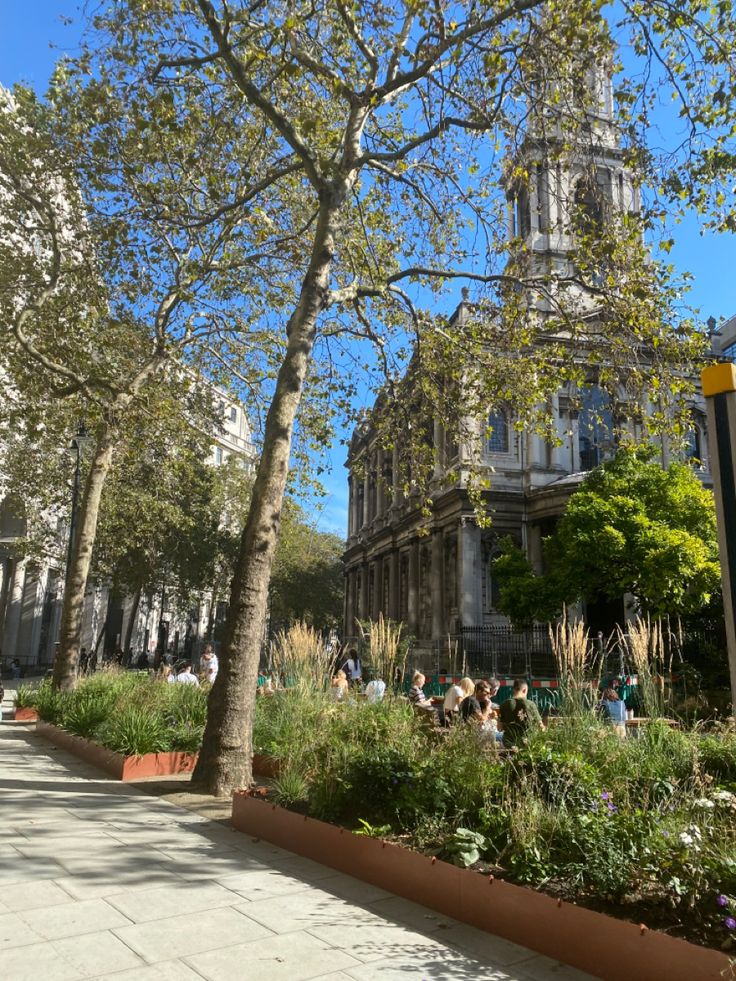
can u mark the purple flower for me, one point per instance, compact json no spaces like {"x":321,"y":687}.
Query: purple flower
{"x":612,"y":808}
{"x":722,"y":900}
{"x":665,"y":834}
{"x":605,"y":795}
{"x":730,"y":923}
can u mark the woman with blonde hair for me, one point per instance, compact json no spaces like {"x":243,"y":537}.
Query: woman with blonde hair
{"x":340,"y":686}
{"x":454,"y":696}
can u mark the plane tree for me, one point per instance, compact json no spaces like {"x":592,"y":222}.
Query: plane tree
{"x":388,"y":125}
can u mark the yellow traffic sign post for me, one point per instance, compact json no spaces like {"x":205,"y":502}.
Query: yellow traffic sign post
{"x":719,"y":388}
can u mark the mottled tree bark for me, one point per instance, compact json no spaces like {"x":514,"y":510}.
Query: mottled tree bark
{"x":225,"y":759}
{"x":67,"y":658}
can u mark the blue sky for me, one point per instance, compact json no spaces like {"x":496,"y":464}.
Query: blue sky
{"x":32,"y":38}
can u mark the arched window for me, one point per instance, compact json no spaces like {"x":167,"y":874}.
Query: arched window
{"x":595,"y":427}
{"x":693,"y":453}
{"x":589,"y":206}
{"x":497,"y":433}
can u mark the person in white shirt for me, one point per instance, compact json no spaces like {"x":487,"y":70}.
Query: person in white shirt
{"x":455,"y":694}
{"x":209,"y":665}
{"x":352,"y":667}
{"x":185,"y":675}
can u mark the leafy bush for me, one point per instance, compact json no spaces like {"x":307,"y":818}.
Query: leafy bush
{"x":186,"y":737}
{"x":134,"y":731}
{"x":49,"y":703}
{"x":84,"y":716}
{"x":644,"y":821}
{"x":128,"y":712}
{"x":291,"y":788}
{"x":26,"y":696}
{"x":717,"y":755}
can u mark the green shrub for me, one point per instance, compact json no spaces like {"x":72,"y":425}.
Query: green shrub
{"x":83,"y":716}
{"x":291,"y":788}
{"x":717,"y":755}
{"x":135,"y":731}
{"x":26,"y":696}
{"x":49,"y":703}
{"x":185,"y":737}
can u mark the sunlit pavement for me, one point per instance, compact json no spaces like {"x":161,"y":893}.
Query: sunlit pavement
{"x":102,"y":880}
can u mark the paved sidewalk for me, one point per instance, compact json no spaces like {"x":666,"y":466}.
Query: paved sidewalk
{"x":100,"y":880}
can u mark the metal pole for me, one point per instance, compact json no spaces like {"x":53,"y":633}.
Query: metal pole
{"x":719,"y":388}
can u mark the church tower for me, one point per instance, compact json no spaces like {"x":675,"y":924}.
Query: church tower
{"x":568,"y":173}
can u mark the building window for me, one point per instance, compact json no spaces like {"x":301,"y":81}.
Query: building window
{"x":218,"y":454}
{"x":730,"y":352}
{"x":595,"y":426}
{"x":497,"y":435}
{"x":693,"y":453}
{"x":233,"y":414}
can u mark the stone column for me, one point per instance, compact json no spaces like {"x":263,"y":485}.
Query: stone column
{"x":438,"y":620}
{"x":394,"y":587}
{"x":347,"y":607}
{"x":438,"y":440}
{"x":366,"y":493}
{"x":380,"y":483}
{"x":351,"y":507}
{"x":4,"y":568}
{"x":377,"y":589}
{"x":413,"y":591}
{"x":534,"y":198}
{"x":469,"y":573}
{"x":534,"y":544}
{"x":41,"y":585}
{"x":398,"y":493}
{"x":364,"y":570}
{"x":14,"y":609}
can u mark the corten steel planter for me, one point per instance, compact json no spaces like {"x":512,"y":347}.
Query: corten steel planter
{"x":266,"y":766}
{"x":117,"y":766}
{"x":601,"y":945}
{"x":25,"y":715}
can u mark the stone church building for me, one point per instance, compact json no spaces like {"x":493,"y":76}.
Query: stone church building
{"x":435,"y":574}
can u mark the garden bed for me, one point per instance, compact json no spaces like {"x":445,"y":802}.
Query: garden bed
{"x":606,"y":947}
{"x":25,"y":715}
{"x":119,"y":767}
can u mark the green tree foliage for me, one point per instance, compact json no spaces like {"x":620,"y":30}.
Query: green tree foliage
{"x":381,"y":131}
{"x":100,"y":287}
{"x":307,"y":581}
{"x":632,"y":527}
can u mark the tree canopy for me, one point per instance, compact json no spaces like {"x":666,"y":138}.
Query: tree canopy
{"x":362,"y":155}
{"x":632,"y":527}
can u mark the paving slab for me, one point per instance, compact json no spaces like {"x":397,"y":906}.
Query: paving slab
{"x":147,"y":882}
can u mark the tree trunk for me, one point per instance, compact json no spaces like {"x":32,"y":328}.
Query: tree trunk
{"x":65,"y":664}
{"x":226,"y":756}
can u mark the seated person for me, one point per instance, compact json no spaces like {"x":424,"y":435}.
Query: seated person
{"x":613,"y":709}
{"x":416,"y":693}
{"x":475,"y":706}
{"x":340,"y":686}
{"x":455,"y":695}
{"x":184,"y":675}
{"x":518,"y":716}
{"x":494,"y":687}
